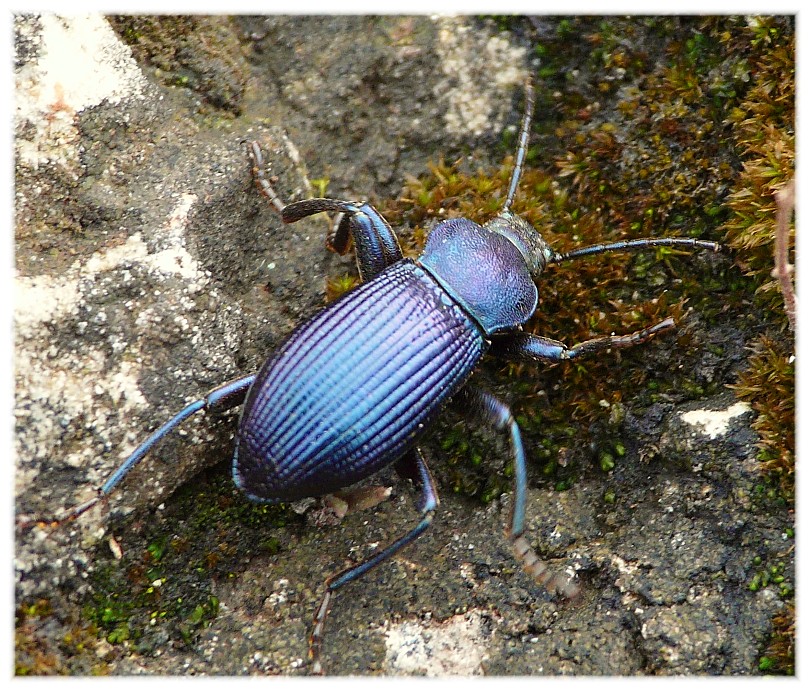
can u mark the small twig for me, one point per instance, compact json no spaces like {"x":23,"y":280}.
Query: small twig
{"x":782,"y":269}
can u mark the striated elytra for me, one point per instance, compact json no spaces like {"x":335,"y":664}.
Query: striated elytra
{"x":351,"y":390}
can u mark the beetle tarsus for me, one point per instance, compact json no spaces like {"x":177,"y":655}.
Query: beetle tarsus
{"x":260,"y":176}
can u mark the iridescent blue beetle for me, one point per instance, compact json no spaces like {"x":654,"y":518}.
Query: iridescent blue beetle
{"x":353,"y":389}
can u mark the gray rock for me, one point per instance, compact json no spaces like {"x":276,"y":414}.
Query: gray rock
{"x":149,"y":270}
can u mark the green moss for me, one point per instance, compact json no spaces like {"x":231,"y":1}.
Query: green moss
{"x":200,"y":616}
{"x":465,"y":451}
{"x":770,"y":574}
{"x":606,"y":462}
{"x":319,"y":186}
{"x":338,"y":285}
{"x":163,"y":581}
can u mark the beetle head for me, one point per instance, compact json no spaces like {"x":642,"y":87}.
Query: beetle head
{"x":536,"y":253}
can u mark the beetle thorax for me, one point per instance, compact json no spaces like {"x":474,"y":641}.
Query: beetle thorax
{"x":484,"y":271}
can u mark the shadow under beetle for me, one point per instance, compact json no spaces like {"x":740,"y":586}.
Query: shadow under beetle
{"x":352,"y":389}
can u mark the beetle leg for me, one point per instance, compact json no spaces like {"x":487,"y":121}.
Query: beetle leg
{"x":493,"y":412}
{"x":375,"y":242}
{"x":524,"y":346}
{"x":374,"y":239}
{"x":413,"y":466}
{"x":376,"y":245}
{"x":260,"y":177}
{"x":218,"y":400}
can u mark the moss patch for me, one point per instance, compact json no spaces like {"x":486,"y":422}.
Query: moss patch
{"x":768,"y":384}
{"x":162,"y":587}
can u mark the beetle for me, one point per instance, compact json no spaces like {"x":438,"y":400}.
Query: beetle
{"x":353,"y":389}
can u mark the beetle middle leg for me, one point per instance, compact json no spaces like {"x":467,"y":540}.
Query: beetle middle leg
{"x":411,"y":466}
{"x":490,"y":410}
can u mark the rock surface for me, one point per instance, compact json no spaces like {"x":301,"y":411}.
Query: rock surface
{"x":148,"y":271}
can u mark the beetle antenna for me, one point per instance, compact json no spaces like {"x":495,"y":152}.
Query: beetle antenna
{"x":521,"y":153}
{"x":625,"y":245}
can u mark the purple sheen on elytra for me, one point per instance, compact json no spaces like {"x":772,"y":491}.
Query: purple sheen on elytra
{"x":350,"y":390}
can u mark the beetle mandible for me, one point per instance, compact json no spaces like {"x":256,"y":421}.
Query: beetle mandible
{"x":408,"y":339}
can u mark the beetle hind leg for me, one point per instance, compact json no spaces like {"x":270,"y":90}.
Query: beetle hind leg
{"x":225,"y":397}
{"x":412,"y":466}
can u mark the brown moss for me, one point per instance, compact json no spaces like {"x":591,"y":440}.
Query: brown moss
{"x":780,"y":656}
{"x":763,"y":134}
{"x":768,"y":383}
{"x":37,"y":655}
{"x":763,"y":131}
{"x":659,"y":152}
{"x":650,"y":154}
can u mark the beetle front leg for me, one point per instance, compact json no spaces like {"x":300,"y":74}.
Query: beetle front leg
{"x":524,"y":346}
{"x":412,"y":466}
{"x":376,"y":244}
{"x":260,"y":178}
{"x":493,"y":412}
